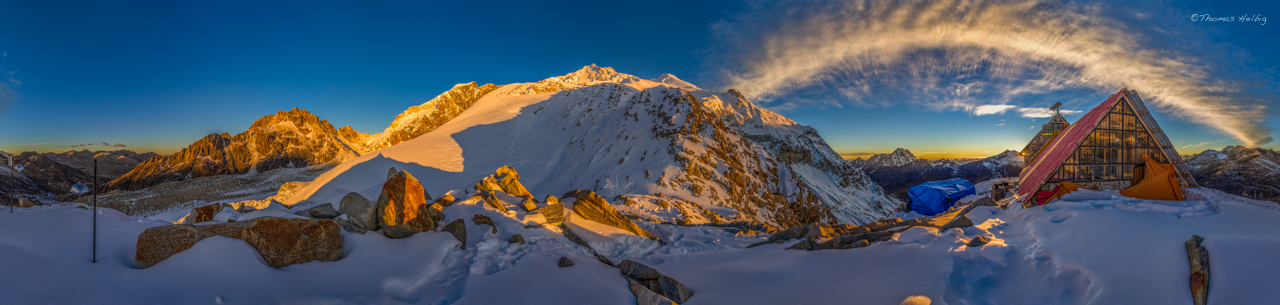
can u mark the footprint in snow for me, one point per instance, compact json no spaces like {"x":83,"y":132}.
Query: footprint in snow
{"x":1060,"y":217}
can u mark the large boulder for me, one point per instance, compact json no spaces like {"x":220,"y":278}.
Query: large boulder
{"x":159,"y":243}
{"x":403,"y":203}
{"x":594,"y":208}
{"x":280,"y":241}
{"x":644,"y":296}
{"x":654,"y":281}
{"x":359,"y":210}
{"x":323,"y":211}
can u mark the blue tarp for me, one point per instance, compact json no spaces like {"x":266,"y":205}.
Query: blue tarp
{"x":931,"y":198}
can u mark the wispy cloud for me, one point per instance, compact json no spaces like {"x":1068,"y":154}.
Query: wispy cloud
{"x":1200,"y":144}
{"x":992,"y":109}
{"x":1043,"y":112}
{"x":965,"y":55}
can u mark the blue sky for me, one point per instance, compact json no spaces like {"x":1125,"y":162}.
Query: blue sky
{"x":156,"y":76}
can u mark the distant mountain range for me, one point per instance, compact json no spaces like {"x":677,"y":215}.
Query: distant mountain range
{"x":898,"y":171}
{"x":111,"y":164}
{"x":1246,"y":171}
{"x":42,"y":178}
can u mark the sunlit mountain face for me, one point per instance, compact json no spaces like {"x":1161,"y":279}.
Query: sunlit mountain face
{"x":658,"y":152}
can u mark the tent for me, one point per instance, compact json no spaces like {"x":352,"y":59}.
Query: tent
{"x":931,"y":198}
{"x":1109,"y":148}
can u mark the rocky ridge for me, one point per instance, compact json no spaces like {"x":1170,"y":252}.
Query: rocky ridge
{"x":1246,"y":171}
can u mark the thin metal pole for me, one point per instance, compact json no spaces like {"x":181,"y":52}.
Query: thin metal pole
{"x":95,"y":210}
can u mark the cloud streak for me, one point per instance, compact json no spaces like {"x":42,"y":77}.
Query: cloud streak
{"x":963,"y":55}
{"x":99,"y":144}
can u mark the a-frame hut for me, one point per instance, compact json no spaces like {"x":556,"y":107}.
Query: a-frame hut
{"x":1105,"y":150}
{"x":1051,"y":129}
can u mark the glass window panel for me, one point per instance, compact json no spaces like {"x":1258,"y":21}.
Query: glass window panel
{"x":1117,"y":138}
{"x":1117,"y":122}
{"x":1113,"y":155}
{"x":1126,"y":171}
{"x":1129,"y":138}
{"x":1068,"y":172}
{"x":1103,"y":122}
{"x":1128,"y":122}
{"x":1097,"y":172}
{"x":1098,"y":155}
{"x":1111,"y":173}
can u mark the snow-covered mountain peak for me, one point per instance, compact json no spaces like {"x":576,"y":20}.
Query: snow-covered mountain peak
{"x":672,"y":80}
{"x":593,"y":73}
{"x":899,"y":157}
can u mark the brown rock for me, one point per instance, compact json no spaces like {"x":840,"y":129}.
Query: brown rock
{"x":403,"y":202}
{"x":484,"y":220}
{"x":492,"y":201}
{"x":203,"y":213}
{"x":655,"y":281}
{"x":283,"y":242}
{"x":594,"y":208}
{"x":565,"y":262}
{"x":961,"y":221}
{"x":529,"y":204}
{"x":813,"y":230}
{"x":24,"y":203}
{"x":280,"y":242}
{"x":159,"y":243}
{"x":459,"y":231}
{"x":978,"y":241}
{"x":398,"y":231}
{"x":350,"y":226}
{"x":1198,"y":256}
{"x":516,"y":239}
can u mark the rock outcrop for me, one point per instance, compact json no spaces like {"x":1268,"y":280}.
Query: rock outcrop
{"x":280,"y":242}
{"x":402,"y":207}
{"x":111,"y":164}
{"x":565,"y":262}
{"x":594,"y":208}
{"x":294,"y":138}
{"x":484,"y":220}
{"x":654,"y":281}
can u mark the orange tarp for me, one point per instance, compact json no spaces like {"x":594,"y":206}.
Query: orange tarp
{"x":1159,"y":182}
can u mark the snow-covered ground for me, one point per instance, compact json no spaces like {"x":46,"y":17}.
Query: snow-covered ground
{"x":1092,"y":247}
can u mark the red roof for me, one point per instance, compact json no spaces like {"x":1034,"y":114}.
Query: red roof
{"x":1061,"y":147}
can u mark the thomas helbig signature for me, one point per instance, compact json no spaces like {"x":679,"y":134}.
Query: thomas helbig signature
{"x":1241,"y":18}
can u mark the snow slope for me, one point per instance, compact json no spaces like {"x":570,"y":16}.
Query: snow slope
{"x":1092,"y":247}
{"x":617,"y":134}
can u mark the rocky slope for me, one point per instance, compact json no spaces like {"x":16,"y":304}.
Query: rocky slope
{"x":295,"y":138}
{"x":663,"y":145}
{"x":42,"y":178}
{"x":900,"y":170}
{"x":111,"y":164}
{"x":1246,"y":171}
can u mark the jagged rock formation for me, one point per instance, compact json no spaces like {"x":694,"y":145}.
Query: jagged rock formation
{"x":295,"y":138}
{"x":111,"y":164}
{"x":900,"y":170}
{"x":423,"y":118}
{"x":1246,"y":171}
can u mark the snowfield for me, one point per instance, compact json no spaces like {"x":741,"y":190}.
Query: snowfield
{"x":1091,"y":247}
